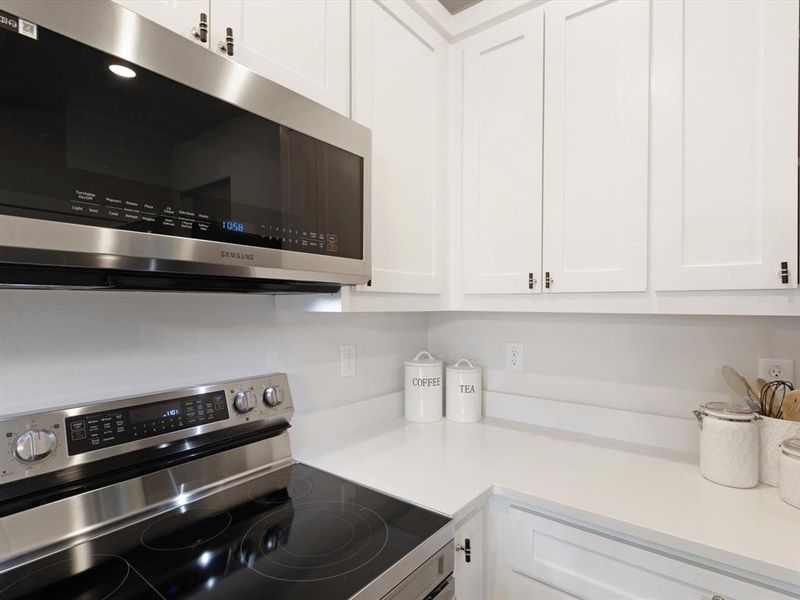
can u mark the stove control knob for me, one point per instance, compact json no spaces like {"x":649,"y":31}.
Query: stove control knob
{"x":35,"y":445}
{"x":243,"y":402}
{"x":273,"y":395}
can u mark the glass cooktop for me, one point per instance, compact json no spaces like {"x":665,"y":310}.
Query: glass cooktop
{"x":295,"y":533}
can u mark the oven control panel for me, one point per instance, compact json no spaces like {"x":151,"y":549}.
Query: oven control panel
{"x":103,"y":429}
{"x":48,"y":441}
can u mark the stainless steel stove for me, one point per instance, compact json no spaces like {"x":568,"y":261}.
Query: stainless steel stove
{"x":193,"y":493}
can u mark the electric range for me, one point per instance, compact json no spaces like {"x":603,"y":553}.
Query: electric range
{"x":193,"y":494}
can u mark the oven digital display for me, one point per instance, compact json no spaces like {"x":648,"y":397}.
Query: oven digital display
{"x":154,"y":411}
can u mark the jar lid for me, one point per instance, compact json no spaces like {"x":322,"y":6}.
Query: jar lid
{"x":464,"y":365}
{"x":424,"y":359}
{"x":791,"y":447}
{"x":728,"y":410}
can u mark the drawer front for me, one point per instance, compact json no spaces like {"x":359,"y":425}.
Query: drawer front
{"x":580,"y":563}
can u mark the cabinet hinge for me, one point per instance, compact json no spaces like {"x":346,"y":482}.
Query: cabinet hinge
{"x":547,"y":280}
{"x":531,"y":281}
{"x":784,"y":272}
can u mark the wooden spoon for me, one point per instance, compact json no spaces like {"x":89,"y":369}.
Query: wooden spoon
{"x":740,"y":388}
{"x":791,"y":406}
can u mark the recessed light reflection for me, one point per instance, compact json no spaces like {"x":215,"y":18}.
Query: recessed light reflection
{"x":204,"y":559}
{"x":122,"y":71}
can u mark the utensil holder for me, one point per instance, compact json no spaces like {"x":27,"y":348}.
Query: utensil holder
{"x":771,"y":433}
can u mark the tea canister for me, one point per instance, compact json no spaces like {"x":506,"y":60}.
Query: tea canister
{"x":789,"y":472}
{"x":423,"y":391}
{"x":728,"y":444}
{"x":463,"y":392}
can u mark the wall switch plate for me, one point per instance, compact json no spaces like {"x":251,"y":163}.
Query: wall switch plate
{"x":774,"y":369}
{"x":514,"y":356}
{"x":348,"y":360}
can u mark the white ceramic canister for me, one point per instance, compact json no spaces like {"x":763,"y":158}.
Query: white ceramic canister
{"x":423,"y":393}
{"x":463,"y":392}
{"x":789,"y":472}
{"x":728,"y":444}
{"x":770,"y":435}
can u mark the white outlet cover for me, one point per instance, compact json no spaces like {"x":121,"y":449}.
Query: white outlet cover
{"x":773,"y":369}
{"x":348,"y":360}
{"x":515,"y":356}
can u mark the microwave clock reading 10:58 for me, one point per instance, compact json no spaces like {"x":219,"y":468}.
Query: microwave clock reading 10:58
{"x":233,"y":226}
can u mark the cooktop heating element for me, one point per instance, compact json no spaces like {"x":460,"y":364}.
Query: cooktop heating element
{"x":194,"y":494}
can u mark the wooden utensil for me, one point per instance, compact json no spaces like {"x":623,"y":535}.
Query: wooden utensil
{"x":791,"y":406}
{"x":740,"y":388}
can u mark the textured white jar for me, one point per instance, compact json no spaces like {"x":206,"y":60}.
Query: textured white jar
{"x":789,"y":472}
{"x":770,"y":435}
{"x":728,"y":444}
{"x":463,"y":392}
{"x":423,"y":391}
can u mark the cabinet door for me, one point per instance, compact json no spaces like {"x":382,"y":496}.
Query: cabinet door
{"x":596,"y":85}
{"x":304,"y":46}
{"x":469,"y":575}
{"x":724,"y":143}
{"x":502,"y":157}
{"x":181,"y":16}
{"x":399,"y":91}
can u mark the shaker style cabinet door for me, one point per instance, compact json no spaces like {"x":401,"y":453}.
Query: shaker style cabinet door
{"x":399,"y":92}
{"x":304,"y":46}
{"x":597,"y":80}
{"x":181,"y":16}
{"x":502,"y":157}
{"x":724,"y":144}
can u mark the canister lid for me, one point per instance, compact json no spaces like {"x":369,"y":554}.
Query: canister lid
{"x":424,"y":359}
{"x":464,"y":365}
{"x":727,"y":410}
{"x":791,"y":447}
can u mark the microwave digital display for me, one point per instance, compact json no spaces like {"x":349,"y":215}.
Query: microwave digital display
{"x":93,"y":140}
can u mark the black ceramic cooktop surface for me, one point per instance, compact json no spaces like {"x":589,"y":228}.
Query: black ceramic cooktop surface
{"x":295,"y":533}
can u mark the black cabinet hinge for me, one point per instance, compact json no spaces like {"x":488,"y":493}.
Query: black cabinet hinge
{"x":466,"y":548}
{"x":547,"y":280}
{"x":784,"y":272}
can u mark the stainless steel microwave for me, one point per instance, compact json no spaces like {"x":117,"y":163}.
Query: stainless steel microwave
{"x":132,"y":158}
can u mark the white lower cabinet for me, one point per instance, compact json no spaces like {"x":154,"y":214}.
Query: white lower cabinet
{"x":469,"y":575}
{"x":544,"y":558}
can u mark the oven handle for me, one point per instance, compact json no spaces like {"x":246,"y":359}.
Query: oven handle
{"x":444,"y":591}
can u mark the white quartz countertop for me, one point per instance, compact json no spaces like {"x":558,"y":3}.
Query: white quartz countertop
{"x":657,"y":497}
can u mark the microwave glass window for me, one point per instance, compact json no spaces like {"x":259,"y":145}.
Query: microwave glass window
{"x":93,"y":140}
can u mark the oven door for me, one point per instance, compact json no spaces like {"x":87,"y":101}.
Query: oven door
{"x":127,"y":147}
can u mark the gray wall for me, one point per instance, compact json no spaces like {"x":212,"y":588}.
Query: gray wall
{"x":66,"y":347}
{"x":653,"y":364}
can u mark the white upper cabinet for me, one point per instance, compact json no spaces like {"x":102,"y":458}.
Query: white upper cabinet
{"x":303,"y":45}
{"x":725,"y":143}
{"x":596,"y":146}
{"x":181,"y":16}
{"x":502,"y":157}
{"x":399,"y":91}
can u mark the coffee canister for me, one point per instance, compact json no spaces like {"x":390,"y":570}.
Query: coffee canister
{"x":423,"y":392}
{"x":728,"y":444}
{"x":463,"y":392}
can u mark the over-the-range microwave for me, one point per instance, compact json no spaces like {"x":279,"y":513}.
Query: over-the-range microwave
{"x":133,"y":158}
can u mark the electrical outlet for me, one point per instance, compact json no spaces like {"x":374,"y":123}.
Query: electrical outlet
{"x":348,"y":360}
{"x":514,"y":356}
{"x":774,"y":369}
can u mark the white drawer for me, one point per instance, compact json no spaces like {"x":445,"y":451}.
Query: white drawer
{"x":597,"y":567}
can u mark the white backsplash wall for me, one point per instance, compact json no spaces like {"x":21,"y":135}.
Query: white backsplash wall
{"x":644,"y":372}
{"x":66,"y":347}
